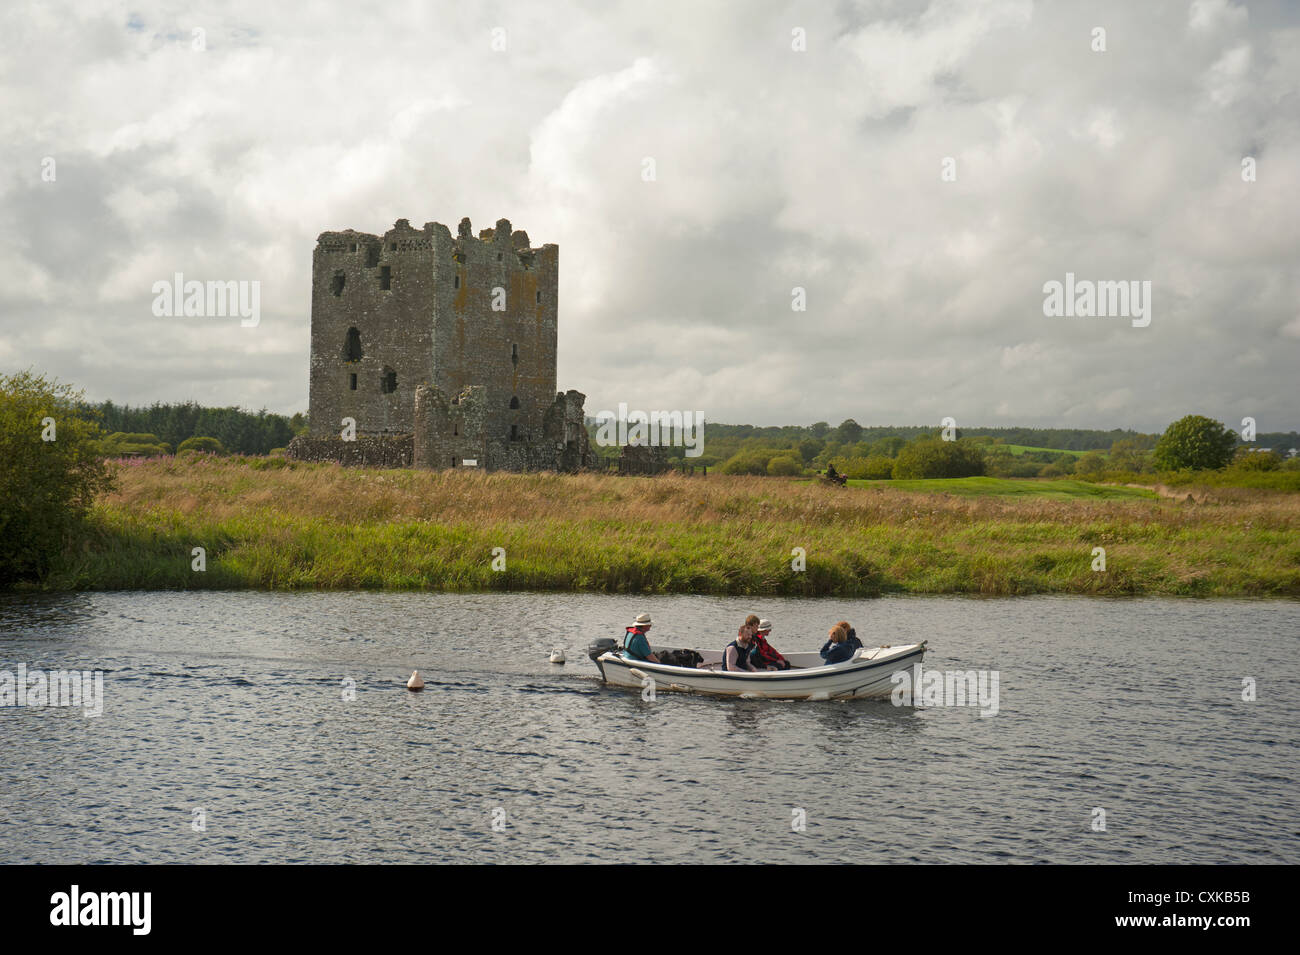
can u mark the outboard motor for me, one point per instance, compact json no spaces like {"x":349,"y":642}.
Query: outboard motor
{"x":599,"y":646}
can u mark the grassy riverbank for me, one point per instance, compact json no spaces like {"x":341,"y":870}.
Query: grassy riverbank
{"x":269,"y":523}
{"x":1061,"y":489}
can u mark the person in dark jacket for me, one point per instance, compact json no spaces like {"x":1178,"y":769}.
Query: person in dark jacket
{"x":736,"y":654}
{"x":852,"y":639}
{"x":837,"y":649}
{"x":635,"y":644}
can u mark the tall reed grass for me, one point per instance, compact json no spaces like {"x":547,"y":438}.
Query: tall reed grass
{"x":294,"y":525}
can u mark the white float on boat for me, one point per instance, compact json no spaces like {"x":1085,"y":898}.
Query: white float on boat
{"x":557,"y":655}
{"x":866,"y":674}
{"x":415,"y":684}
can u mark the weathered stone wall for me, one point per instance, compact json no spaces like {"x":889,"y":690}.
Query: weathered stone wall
{"x":422,"y":302}
{"x":510,"y":353}
{"x":371,"y":451}
{"x":642,"y":459}
{"x":450,"y":339}
{"x":449,"y":432}
{"x":394,"y":327}
{"x":564,"y":429}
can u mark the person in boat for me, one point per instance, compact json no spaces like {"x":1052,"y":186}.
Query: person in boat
{"x":837,"y":649}
{"x":764,"y":656}
{"x":852,"y":639}
{"x":736,"y":655}
{"x":635,"y":644}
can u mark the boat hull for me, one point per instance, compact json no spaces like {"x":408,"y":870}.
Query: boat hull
{"x":868,"y":675}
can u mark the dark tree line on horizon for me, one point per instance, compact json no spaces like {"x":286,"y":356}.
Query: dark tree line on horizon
{"x":248,"y":432}
{"x":850,"y":432}
{"x":239,"y":431}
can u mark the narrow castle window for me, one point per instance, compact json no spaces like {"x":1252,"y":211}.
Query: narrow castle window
{"x":498,"y":256}
{"x":388,"y":384}
{"x":354,"y":246}
{"x":385,"y":277}
{"x":514,"y":432}
{"x":393,"y":247}
{"x":539,"y":296}
{"x":514,"y":402}
{"x":514,"y":354}
{"x":352,"y":347}
{"x":456,"y":282}
{"x":352,"y":381}
{"x":337,"y":282}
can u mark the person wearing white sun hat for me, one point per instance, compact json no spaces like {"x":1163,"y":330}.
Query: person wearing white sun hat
{"x":635,"y":644}
{"x":764,"y":655}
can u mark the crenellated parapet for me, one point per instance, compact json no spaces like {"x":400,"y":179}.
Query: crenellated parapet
{"x":472,"y":318}
{"x":502,"y":243}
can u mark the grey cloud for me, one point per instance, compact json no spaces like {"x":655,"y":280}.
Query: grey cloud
{"x":776,"y":168}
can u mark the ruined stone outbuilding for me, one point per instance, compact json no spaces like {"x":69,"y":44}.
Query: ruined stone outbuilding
{"x":642,"y":459}
{"x":441,"y":350}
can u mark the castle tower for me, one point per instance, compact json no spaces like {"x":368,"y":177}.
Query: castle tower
{"x":420,"y":307}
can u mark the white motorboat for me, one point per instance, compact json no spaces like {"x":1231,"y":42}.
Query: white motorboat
{"x":866,"y":674}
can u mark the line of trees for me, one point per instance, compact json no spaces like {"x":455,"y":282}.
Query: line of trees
{"x":163,"y":428}
{"x":817,"y":445}
{"x":1192,"y":443}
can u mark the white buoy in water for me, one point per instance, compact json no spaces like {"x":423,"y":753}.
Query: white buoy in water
{"x":557,"y":655}
{"x":415,"y":684}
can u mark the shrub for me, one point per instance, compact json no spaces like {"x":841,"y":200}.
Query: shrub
{"x":133,"y":438}
{"x":120,"y":444}
{"x":748,"y":462}
{"x":872,"y":468}
{"x":47,"y":486}
{"x":199,"y":443}
{"x":1061,"y":467}
{"x":272,"y":463}
{"x":935,"y":458}
{"x":784,"y":466}
{"x":1093,"y":462}
{"x":1248,"y":460}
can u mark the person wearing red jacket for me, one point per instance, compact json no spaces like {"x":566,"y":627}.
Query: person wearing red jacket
{"x":764,"y":655}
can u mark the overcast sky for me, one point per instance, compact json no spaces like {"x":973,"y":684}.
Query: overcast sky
{"x":774,"y":167}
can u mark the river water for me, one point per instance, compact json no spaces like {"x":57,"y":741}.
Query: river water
{"x":276,"y":727}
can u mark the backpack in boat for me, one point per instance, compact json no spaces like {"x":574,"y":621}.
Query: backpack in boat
{"x":680,"y":658}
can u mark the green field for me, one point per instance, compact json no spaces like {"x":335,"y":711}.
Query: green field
{"x":1014,"y":487}
{"x":277,"y":524}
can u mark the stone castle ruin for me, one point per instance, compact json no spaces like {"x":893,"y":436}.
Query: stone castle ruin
{"x":442,"y":350}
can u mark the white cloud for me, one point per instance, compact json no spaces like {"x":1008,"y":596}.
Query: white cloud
{"x":775,"y":168}
{"x":901,"y":62}
{"x":1211,"y":16}
{"x":1026,"y":353}
{"x":1226,"y":79}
